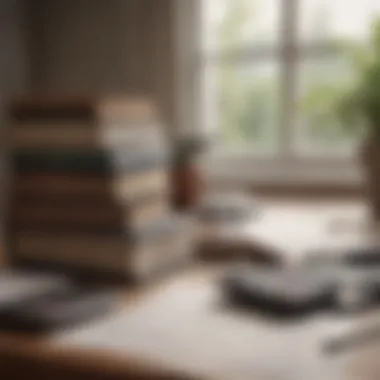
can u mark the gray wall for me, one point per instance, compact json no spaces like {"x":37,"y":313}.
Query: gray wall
{"x":14,"y":63}
{"x":14,"y":78}
{"x":104,"y":46}
{"x":13,"y":57}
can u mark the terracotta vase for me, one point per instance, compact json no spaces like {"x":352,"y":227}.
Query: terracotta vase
{"x":370,"y":155}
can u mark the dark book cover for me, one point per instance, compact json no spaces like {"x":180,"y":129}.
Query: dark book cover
{"x":73,"y":108}
{"x":94,"y":161}
{"x":162,"y":228}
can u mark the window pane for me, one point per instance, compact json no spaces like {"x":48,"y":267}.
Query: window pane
{"x":236,"y":23}
{"x":247,"y":106}
{"x":321,"y":84}
{"x":336,"y":19}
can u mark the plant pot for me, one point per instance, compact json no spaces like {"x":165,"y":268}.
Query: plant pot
{"x":187,"y":185}
{"x":370,"y":155}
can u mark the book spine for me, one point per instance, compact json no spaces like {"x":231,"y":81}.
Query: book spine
{"x":113,"y":255}
{"x":52,"y":135}
{"x":95,"y":215}
{"x":88,"y":161}
{"x":110,"y":255}
{"x":79,"y":135}
{"x":126,"y":190}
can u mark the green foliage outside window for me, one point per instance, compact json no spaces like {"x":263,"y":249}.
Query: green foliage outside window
{"x":337,"y":93}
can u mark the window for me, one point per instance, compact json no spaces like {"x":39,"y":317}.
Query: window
{"x":273,"y":70}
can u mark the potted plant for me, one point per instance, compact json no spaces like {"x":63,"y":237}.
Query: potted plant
{"x":355,"y":106}
{"x":359,"y":106}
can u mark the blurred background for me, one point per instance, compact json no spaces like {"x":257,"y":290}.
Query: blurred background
{"x":264,"y":118}
{"x":260,"y":78}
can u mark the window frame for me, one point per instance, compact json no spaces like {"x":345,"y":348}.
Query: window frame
{"x":284,"y":166}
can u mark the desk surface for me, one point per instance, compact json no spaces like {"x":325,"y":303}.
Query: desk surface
{"x":182,"y":324}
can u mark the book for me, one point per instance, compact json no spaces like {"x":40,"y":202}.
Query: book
{"x":165,"y":243}
{"x":90,"y":110}
{"x":128,"y":187}
{"x":66,"y":135}
{"x":168,"y":224}
{"x":68,"y":215}
{"x":114,"y":257}
{"x":110,"y":253}
{"x":92,"y":161}
{"x":89,"y":176}
{"x":71,"y":123}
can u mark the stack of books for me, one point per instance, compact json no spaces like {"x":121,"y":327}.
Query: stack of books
{"x":90,"y":187}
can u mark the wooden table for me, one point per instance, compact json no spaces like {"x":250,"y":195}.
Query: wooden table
{"x":181,"y":327}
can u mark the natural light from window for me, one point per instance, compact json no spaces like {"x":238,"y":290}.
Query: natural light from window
{"x":274,"y":69}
